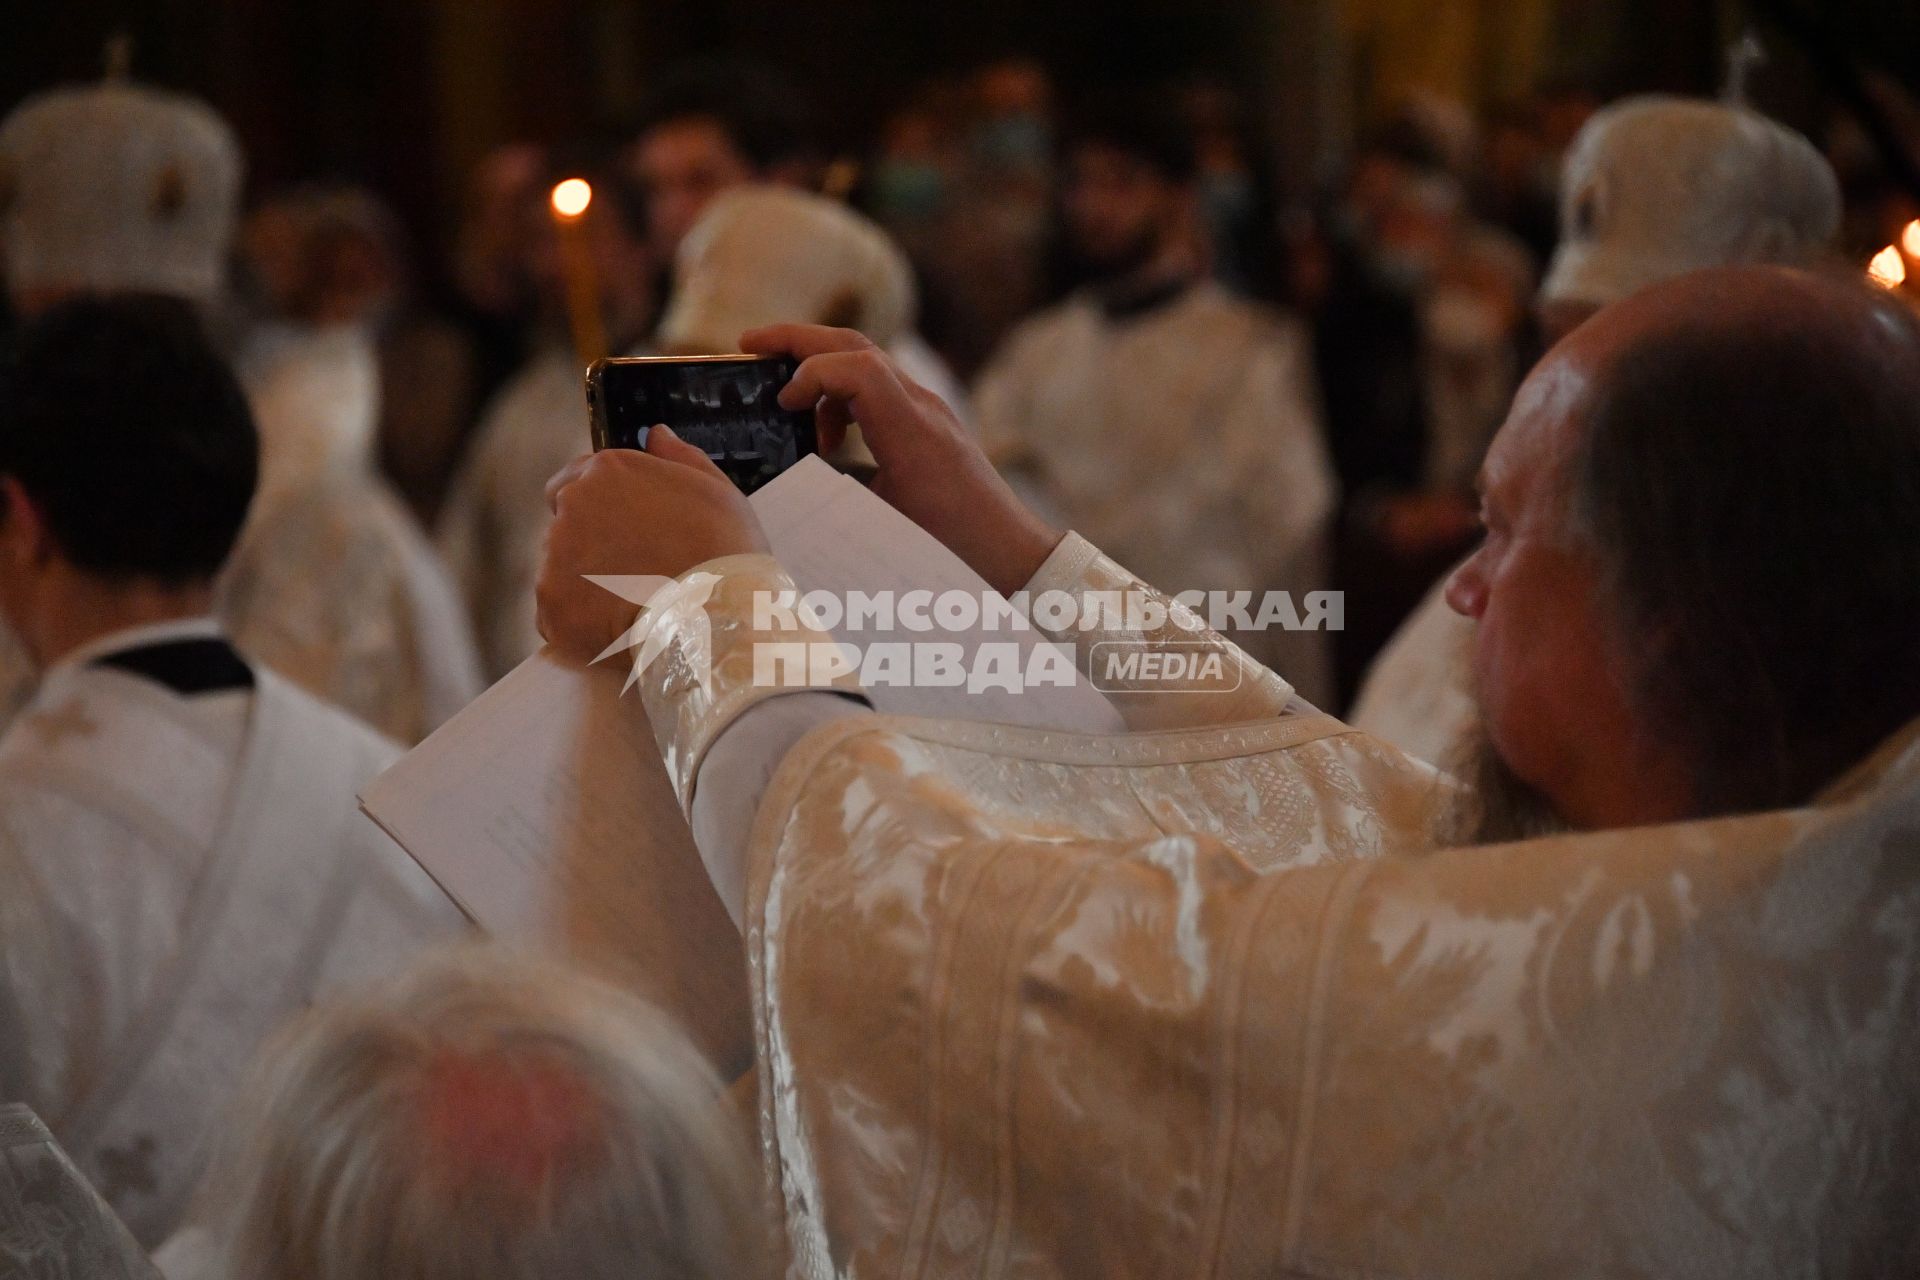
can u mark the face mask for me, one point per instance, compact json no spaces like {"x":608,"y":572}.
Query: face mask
{"x":908,"y":189}
{"x":1018,"y":141}
{"x":1227,"y":199}
{"x":1402,"y":268}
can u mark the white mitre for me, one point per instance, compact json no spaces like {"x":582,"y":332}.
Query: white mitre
{"x":1658,"y":186}
{"x":116,"y":187}
{"x":772,"y":255}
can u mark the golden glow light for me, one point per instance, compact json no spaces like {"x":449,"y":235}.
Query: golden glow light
{"x":571,"y":198}
{"x":1888,"y":269}
{"x":1910,"y":239}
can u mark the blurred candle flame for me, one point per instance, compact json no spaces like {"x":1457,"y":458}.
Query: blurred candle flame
{"x":1888,"y":269}
{"x":577,"y":269}
{"x":571,"y":198}
{"x":1910,"y":239}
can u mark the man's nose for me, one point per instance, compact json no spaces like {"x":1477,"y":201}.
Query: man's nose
{"x":1466,"y":590}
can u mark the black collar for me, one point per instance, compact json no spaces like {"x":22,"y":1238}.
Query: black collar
{"x":187,"y":667}
{"x":1131,"y":303}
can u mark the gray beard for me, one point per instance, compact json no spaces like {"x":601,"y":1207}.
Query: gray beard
{"x":1493,"y":804}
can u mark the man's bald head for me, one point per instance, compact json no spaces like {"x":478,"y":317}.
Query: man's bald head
{"x":1727,"y":466}
{"x":1750,"y":475}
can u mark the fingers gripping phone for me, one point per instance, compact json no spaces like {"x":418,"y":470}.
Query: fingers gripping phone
{"x":727,"y":406}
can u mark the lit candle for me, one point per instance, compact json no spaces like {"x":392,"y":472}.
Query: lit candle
{"x":1888,"y":269}
{"x":1910,"y":239}
{"x":570,"y":202}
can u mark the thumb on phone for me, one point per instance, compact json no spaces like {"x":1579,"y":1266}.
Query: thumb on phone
{"x":662,"y":443}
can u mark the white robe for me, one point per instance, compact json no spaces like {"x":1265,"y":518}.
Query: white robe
{"x":333,"y":584}
{"x":1185,"y":442}
{"x":178,"y":875}
{"x":496,"y":515}
{"x":1418,"y":693}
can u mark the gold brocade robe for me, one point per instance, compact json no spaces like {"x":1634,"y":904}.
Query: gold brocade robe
{"x":1200,"y":1001}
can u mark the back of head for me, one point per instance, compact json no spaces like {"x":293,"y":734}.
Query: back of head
{"x":491,"y":1118}
{"x":1750,"y":476}
{"x":116,"y":188}
{"x":130,"y":435}
{"x":1657,"y":186}
{"x":770,"y":255}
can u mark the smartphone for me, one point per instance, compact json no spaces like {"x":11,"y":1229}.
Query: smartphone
{"x":728,"y":406}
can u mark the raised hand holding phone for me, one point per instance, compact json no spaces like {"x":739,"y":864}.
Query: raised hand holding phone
{"x":931,"y":469}
{"x":660,"y":512}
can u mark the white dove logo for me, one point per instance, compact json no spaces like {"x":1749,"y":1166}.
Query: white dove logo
{"x":660,"y":599}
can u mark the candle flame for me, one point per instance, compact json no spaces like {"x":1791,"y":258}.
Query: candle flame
{"x":571,"y":198}
{"x":1888,"y":269}
{"x":1910,"y":239}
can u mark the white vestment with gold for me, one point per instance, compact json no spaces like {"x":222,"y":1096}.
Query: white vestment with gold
{"x":333,"y":584}
{"x":1205,"y":999}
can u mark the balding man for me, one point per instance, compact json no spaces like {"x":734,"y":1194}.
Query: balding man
{"x":1217,"y":999}
{"x":1654,"y":187}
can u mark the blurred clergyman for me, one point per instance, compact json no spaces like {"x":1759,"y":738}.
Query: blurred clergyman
{"x":182,"y":863}
{"x":496,"y":509}
{"x":715,"y":127}
{"x":1173,"y":423}
{"x":481,"y":1119}
{"x":1654,"y":187}
{"x":710,"y":126}
{"x":116,"y":188}
{"x":328,"y":263}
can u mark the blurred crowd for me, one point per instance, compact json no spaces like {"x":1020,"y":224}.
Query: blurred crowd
{"x":249,"y":452}
{"x":1412,"y":273}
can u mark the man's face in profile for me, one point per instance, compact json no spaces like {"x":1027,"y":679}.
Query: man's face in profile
{"x":1553,"y":678}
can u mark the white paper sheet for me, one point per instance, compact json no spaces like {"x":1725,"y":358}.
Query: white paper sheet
{"x":544,"y":811}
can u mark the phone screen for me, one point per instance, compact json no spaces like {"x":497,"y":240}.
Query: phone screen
{"x":727,"y":406}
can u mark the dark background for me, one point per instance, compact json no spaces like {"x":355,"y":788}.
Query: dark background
{"x":405,"y":94}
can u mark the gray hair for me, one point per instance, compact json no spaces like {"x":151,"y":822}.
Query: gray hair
{"x":485,"y":1117}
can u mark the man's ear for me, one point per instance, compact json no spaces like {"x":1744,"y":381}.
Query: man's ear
{"x":25,"y":541}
